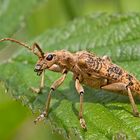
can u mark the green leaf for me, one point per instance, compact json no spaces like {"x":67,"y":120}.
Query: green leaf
{"x":8,"y":120}
{"x":13,"y":14}
{"x":108,"y":115}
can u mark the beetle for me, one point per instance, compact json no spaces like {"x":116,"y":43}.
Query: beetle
{"x":88,"y":69}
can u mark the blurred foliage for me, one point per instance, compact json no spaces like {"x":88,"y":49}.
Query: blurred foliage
{"x":113,"y":35}
{"x":9,"y":119}
{"x":55,"y":13}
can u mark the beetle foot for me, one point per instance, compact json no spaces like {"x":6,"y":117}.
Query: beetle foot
{"x":35,"y":90}
{"x":40,"y":117}
{"x":83,"y":123}
{"x":136,"y":114}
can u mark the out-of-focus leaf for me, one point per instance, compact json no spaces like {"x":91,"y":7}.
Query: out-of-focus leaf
{"x":49,"y":15}
{"x":13,"y":14}
{"x":108,"y":115}
{"x":13,"y":111}
{"x":12,"y":21}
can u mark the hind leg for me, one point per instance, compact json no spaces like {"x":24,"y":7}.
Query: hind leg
{"x":123,"y":87}
{"x":134,"y":107}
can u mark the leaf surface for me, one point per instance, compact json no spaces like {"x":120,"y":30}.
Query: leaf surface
{"x":107,"y":115}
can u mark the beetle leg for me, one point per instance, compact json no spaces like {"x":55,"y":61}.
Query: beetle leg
{"x":54,"y":68}
{"x":54,"y":86}
{"x":115,"y":87}
{"x":123,"y":87}
{"x":134,"y":107}
{"x":38,"y":90}
{"x":80,"y":90}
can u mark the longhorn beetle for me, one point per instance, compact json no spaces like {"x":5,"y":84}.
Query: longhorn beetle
{"x":87,"y":69}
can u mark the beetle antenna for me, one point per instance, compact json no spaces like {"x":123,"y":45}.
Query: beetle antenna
{"x":39,"y":53}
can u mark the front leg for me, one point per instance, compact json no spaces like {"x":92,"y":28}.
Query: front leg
{"x":54,"y":86}
{"x":38,"y":90}
{"x":54,"y":68}
{"x":80,"y":90}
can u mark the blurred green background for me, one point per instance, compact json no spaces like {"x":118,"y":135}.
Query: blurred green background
{"x":55,"y":13}
{"x":16,"y":121}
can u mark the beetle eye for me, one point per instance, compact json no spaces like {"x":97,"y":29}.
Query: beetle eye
{"x":49,"y":57}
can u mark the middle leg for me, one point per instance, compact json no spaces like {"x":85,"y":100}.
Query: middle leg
{"x":80,"y":90}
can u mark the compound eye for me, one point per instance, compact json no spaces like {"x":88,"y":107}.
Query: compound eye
{"x":49,"y":57}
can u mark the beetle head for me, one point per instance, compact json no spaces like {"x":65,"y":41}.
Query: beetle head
{"x":45,"y":62}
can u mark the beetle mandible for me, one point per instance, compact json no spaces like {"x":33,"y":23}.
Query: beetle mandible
{"x":87,"y":69}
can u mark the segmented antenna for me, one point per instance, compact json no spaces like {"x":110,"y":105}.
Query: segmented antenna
{"x":39,"y":53}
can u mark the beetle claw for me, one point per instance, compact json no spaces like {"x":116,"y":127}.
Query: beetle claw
{"x":137,"y":114}
{"x":83,"y":123}
{"x":40,"y":117}
{"x":35,"y":90}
